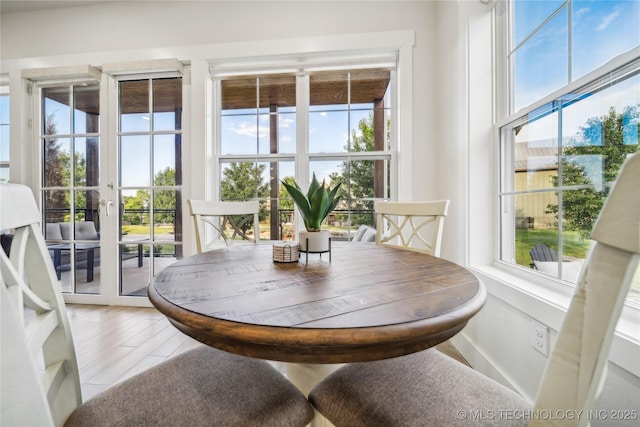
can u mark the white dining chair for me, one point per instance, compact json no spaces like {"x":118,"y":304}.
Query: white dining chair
{"x":430,"y":389}
{"x":221,"y":224}
{"x":40,"y":383}
{"x":411,"y":225}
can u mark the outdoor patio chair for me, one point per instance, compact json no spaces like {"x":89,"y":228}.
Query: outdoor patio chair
{"x":222,"y":219}
{"x":542,"y":253}
{"x":411,"y":225}
{"x":40,"y":382}
{"x":428,"y":388}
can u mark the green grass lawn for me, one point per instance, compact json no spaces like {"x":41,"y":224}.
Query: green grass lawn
{"x":145,"y":229}
{"x":573,"y":245}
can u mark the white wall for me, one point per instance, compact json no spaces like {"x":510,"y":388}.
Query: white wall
{"x":453,"y":144}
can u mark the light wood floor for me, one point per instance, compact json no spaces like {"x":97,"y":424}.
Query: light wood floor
{"x":114,"y":343}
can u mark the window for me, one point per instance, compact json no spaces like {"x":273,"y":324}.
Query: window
{"x":4,"y":134}
{"x":556,"y":42}
{"x":560,"y":154}
{"x":336,"y":124}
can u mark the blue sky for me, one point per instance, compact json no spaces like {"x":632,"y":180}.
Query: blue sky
{"x":330,"y":127}
{"x":602,"y":30}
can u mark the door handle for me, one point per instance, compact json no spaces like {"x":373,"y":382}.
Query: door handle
{"x":107,"y":206}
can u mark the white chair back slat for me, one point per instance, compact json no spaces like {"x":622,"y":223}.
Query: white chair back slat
{"x":213,"y":218}
{"x":23,"y":400}
{"x":411,"y":225}
{"x":44,"y":336}
{"x":39,"y":329}
{"x":576,"y":369}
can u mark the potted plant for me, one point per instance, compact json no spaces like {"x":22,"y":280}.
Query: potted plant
{"x":314,"y":207}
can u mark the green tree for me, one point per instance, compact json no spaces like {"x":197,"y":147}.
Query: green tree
{"x":164,"y":201}
{"x":357,"y":176}
{"x":243,"y":181}
{"x":605,"y":143}
{"x":286,"y":202}
{"x":135,"y":208}
{"x":56,"y":174}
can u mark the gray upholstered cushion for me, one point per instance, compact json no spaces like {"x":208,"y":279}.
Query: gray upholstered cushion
{"x":202,"y":387}
{"x":423,"y":389}
{"x":52,"y":231}
{"x":369,"y":236}
{"x":364,"y":232}
{"x":359,"y":233}
{"x":86,"y":230}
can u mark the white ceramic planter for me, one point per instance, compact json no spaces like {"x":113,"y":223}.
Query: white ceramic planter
{"x":318,"y":241}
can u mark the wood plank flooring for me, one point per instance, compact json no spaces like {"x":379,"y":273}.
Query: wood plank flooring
{"x":114,"y":343}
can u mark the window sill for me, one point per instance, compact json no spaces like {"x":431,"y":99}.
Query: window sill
{"x":546,"y":300}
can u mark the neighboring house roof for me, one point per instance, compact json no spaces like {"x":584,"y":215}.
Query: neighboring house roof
{"x":536,"y":156}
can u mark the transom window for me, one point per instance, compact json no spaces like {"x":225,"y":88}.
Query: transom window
{"x":336,"y":124}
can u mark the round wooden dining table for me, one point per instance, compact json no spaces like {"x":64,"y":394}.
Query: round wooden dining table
{"x":364,"y":303}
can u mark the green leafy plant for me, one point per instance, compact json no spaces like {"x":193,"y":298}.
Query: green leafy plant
{"x":319,"y":201}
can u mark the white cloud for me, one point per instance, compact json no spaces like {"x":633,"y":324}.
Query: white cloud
{"x":608,"y":19}
{"x":581,"y":11}
{"x":285,"y":122}
{"x":249,"y":129}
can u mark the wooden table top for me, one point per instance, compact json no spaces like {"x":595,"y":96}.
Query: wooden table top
{"x":370,"y":302}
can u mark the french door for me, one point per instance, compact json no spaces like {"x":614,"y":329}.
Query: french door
{"x":111,"y":186}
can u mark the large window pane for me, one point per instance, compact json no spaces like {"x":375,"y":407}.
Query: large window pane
{"x":566,"y":157}
{"x":134,"y":106}
{"x":164,"y":215}
{"x":134,"y":160}
{"x":258,"y":114}
{"x":348,"y":111}
{"x":531,"y":14}
{"x":167,"y":104}
{"x":541,"y":64}
{"x":57,"y":162}
{"x":86,"y":111}
{"x":165,"y":150}
{"x":601,"y":31}
{"x":57,"y":114}
{"x":135,"y":215}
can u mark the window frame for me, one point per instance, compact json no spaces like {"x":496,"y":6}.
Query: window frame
{"x":302,"y":157}
{"x":549,"y":288}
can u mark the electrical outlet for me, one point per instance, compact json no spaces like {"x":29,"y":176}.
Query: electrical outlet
{"x":540,"y":337}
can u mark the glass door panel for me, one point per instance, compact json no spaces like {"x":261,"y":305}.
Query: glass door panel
{"x":70,"y":144}
{"x":150,"y":180}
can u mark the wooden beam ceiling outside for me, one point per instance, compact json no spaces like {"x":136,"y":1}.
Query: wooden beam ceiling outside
{"x":329,"y":88}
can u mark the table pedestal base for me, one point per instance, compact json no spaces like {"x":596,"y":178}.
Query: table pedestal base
{"x":305,"y":376}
